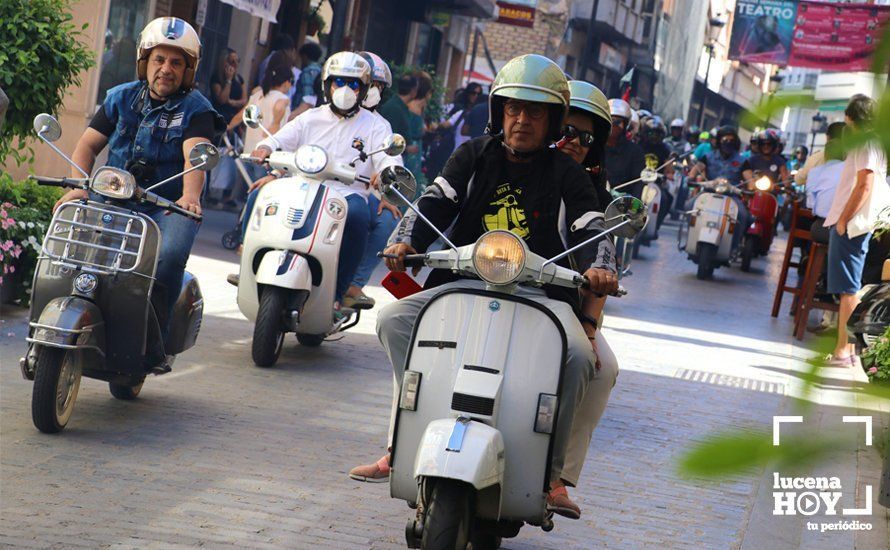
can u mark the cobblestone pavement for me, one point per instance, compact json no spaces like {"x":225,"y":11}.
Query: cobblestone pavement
{"x":223,"y":453}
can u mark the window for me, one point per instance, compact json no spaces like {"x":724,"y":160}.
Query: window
{"x":126,"y":19}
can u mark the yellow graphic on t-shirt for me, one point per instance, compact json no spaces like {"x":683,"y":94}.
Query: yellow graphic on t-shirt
{"x":651,"y":161}
{"x":504,"y":212}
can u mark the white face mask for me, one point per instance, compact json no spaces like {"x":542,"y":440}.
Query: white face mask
{"x":373,"y":98}
{"x":344,"y":98}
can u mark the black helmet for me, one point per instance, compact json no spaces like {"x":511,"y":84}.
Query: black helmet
{"x":731,"y":134}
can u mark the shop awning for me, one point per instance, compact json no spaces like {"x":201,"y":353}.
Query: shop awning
{"x":481,"y":9}
{"x":265,"y":9}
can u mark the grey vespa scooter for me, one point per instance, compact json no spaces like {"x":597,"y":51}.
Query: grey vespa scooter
{"x":94,"y":304}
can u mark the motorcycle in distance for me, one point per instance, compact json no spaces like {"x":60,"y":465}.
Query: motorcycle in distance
{"x":288,"y":271}
{"x":473,"y":429}
{"x":709,"y":226}
{"x":764,"y":207}
{"x":628,"y":249}
{"x":94,"y":305}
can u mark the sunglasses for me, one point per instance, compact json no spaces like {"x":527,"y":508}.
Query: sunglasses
{"x":353,"y":84}
{"x":571,"y":132}
{"x":533,"y":110}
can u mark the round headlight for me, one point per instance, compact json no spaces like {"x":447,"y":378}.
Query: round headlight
{"x":763,"y":183}
{"x":499,"y":257}
{"x":85,"y":283}
{"x":113,"y":183}
{"x":311,"y":159}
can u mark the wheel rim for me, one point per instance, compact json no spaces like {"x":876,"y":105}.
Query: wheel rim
{"x":66,"y":388}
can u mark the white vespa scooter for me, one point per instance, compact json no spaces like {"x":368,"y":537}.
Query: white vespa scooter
{"x":472,"y":440}
{"x":288,"y":272}
{"x":629,"y":249}
{"x":709,"y":226}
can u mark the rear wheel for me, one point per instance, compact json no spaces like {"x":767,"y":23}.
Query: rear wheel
{"x":748,"y":252}
{"x":707,"y":253}
{"x":268,"y":333}
{"x":448,"y":519}
{"x":310,"y":340}
{"x":125,"y":392}
{"x":231,"y":240}
{"x":56,"y":382}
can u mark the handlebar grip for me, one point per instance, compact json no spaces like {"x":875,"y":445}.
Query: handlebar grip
{"x":411,"y":260}
{"x":245,"y":156}
{"x":54,"y":182}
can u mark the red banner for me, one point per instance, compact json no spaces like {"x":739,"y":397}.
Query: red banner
{"x":837,"y":37}
{"x":510,"y":13}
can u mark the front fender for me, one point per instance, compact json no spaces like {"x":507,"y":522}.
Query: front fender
{"x":480,"y":461}
{"x":286,"y":269}
{"x":70,"y":322}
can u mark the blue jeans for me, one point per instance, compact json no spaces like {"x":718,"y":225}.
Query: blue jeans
{"x":745,"y":221}
{"x":382,"y":227}
{"x":352,"y":247}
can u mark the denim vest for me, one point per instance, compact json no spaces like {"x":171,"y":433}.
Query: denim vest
{"x":729,"y":168}
{"x":151,"y":135}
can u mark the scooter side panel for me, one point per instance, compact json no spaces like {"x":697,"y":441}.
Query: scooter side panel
{"x":514,"y":350}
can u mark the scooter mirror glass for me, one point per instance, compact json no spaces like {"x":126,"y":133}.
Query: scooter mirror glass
{"x":648,"y":175}
{"x":204,"y":156}
{"x":394,"y":145}
{"x":397,"y":178}
{"x":47,"y":127}
{"x":630,"y":209}
{"x":252,"y":116}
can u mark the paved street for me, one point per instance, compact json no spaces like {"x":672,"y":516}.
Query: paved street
{"x":223,"y":453}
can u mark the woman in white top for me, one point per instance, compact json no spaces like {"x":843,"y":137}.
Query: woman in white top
{"x":271,"y":98}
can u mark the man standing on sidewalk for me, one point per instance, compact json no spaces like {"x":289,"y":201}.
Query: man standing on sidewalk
{"x":861,"y":194}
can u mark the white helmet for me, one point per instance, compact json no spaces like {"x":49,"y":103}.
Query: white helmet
{"x":346,"y":65}
{"x":678,"y":123}
{"x":379,"y":69}
{"x":173,"y":32}
{"x":620,"y":108}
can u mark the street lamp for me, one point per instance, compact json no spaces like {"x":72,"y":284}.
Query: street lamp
{"x":818,"y":127}
{"x":714,"y":26}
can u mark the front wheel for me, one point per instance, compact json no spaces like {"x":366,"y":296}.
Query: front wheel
{"x":56,"y":381}
{"x":268,"y":336}
{"x":748,"y":252}
{"x":125,"y":392}
{"x":448,"y":517}
{"x":231,"y":239}
{"x":707,"y":253}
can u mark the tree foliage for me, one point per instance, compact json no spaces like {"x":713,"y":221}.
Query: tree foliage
{"x":41,"y":55}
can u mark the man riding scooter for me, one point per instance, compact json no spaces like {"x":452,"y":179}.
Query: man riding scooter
{"x":657,"y":154}
{"x":150,"y":125}
{"x":624,"y":159}
{"x":337,"y":126}
{"x":528,"y":104}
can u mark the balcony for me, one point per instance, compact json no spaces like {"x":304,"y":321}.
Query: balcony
{"x":615,"y":19}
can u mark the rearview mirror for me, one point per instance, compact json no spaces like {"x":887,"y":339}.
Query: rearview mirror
{"x":204,"y":156}
{"x":47,"y":127}
{"x":252,"y":116}
{"x":394,"y":145}
{"x":395,"y":180}
{"x":630,"y":209}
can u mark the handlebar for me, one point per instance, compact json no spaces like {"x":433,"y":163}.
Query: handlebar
{"x":170,"y":206}
{"x":245,"y":156}
{"x":57,"y":182}
{"x":410,"y":260}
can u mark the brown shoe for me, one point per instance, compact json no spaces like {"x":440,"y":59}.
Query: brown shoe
{"x":378,"y":472}
{"x":558,"y":502}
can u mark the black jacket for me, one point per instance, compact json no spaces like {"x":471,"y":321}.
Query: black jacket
{"x":562,"y":208}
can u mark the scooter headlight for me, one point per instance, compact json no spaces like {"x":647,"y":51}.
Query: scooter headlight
{"x":763,"y":183}
{"x":311,"y":159}
{"x":499,"y":257}
{"x":113,"y":183}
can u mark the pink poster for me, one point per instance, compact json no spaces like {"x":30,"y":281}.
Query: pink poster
{"x":836,"y":37}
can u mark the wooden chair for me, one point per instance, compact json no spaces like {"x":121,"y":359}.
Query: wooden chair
{"x":798,"y":215}
{"x":807,"y":300}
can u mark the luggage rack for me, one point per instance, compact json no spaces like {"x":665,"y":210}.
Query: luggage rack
{"x":72,"y":241}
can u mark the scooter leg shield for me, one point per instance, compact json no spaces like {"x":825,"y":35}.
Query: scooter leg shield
{"x":476,"y":456}
{"x":286,"y":269}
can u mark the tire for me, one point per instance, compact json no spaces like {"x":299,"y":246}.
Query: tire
{"x":706,"y":255}
{"x":268,"y":336}
{"x":231,"y":240}
{"x":125,"y":392}
{"x":748,"y":252}
{"x":310,"y":340}
{"x":53,"y":368}
{"x":449,"y":517}
{"x":485,"y":541}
